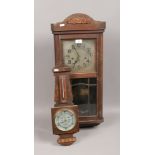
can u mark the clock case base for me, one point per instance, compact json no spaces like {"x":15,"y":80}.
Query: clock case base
{"x":90,"y":123}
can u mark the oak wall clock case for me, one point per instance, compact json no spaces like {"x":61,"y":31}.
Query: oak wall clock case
{"x":78,"y":44}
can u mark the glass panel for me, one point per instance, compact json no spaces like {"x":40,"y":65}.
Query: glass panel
{"x":92,"y":80}
{"x":79,"y":54}
{"x":84,"y":95}
{"x":92,"y":105}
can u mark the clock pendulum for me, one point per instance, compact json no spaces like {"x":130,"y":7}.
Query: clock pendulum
{"x":78,"y":42}
{"x":64,"y":114}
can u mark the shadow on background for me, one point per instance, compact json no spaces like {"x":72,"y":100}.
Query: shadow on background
{"x":43,"y":129}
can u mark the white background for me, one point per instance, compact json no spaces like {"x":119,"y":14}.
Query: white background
{"x":137,"y":78}
{"x":103,"y":137}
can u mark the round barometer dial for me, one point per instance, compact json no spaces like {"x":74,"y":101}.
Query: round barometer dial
{"x":79,"y":56}
{"x":65,"y":119}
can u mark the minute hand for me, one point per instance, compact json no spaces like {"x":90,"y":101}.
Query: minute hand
{"x":76,"y":52}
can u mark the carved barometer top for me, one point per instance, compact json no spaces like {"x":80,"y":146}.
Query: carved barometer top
{"x":77,"y":22}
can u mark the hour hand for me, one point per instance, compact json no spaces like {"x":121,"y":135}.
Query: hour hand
{"x":75,"y":63}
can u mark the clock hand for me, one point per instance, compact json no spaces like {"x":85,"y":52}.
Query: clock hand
{"x":76,"y":52}
{"x":75,"y":63}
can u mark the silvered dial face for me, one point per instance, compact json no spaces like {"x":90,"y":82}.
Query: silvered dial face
{"x":79,"y":54}
{"x":65,"y":120}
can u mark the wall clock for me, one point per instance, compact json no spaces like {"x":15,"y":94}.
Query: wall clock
{"x":65,"y":115}
{"x":79,"y":45}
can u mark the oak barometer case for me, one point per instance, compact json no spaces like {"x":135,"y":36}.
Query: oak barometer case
{"x":65,"y":115}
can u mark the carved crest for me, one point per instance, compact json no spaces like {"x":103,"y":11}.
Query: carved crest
{"x":77,"y":22}
{"x":79,"y":18}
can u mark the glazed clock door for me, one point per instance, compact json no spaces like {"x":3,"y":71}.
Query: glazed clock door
{"x":80,"y":55}
{"x":85,"y":95}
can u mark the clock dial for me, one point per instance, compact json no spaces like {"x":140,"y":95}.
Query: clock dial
{"x":79,"y":55}
{"x":65,"y":120}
